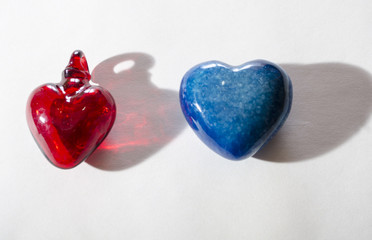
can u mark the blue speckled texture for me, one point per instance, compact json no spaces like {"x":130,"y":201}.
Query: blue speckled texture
{"x":236,"y":110}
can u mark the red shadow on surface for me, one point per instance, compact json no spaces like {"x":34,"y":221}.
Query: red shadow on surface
{"x":147,"y":117}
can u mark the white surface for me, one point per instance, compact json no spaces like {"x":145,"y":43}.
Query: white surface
{"x":314,"y":181}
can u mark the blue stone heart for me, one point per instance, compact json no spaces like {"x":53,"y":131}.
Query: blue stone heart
{"x":236,"y":110}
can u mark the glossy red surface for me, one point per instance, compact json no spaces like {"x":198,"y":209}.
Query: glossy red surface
{"x":70,"y":119}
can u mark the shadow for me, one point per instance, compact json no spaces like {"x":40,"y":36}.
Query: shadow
{"x":331,"y":102}
{"x":147,"y":117}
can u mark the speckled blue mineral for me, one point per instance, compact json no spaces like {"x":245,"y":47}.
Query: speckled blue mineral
{"x":236,"y":110}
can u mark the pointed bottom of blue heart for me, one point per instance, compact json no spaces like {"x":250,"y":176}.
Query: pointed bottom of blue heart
{"x":236,"y":110}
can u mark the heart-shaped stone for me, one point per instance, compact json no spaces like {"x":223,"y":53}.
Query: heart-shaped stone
{"x":70,"y":119}
{"x":236,"y":110}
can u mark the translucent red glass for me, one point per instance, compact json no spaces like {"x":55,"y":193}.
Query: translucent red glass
{"x":70,"y":119}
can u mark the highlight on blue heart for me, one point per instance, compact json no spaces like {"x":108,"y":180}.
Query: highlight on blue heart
{"x":236,"y":110}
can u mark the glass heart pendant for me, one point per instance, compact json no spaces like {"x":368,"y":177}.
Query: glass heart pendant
{"x":70,"y":119}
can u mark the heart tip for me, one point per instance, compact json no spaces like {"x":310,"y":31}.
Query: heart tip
{"x":77,"y":66}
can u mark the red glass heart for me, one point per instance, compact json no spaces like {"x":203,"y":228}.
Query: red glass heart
{"x":70,"y":119}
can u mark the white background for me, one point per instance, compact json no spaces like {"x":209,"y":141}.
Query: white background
{"x":156,"y":179}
